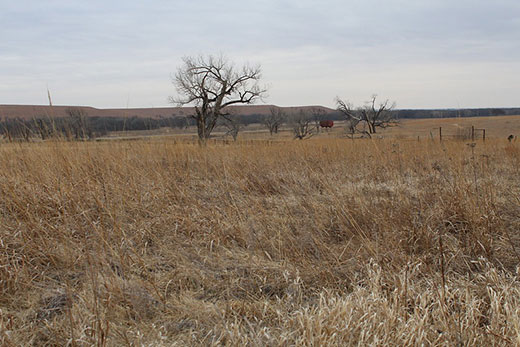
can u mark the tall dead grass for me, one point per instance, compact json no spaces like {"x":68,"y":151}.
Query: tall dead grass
{"x":296,"y":243}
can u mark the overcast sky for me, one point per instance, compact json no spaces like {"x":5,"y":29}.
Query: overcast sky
{"x":420,"y":53}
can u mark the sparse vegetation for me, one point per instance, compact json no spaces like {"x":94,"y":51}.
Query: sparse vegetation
{"x":326,"y":241}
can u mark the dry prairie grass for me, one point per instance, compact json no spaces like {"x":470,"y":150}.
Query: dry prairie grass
{"x":496,"y":127}
{"x":320,"y":242}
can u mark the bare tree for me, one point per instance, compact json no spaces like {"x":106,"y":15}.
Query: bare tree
{"x":212,"y":84}
{"x":317,"y":115}
{"x":351,"y":127}
{"x":274,"y":119}
{"x":378,"y":116}
{"x":233,"y":124}
{"x":301,"y":125}
{"x":371,"y":116}
{"x":352,"y":119}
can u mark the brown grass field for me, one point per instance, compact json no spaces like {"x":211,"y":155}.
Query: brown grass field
{"x":496,"y":127}
{"x":327,"y":241}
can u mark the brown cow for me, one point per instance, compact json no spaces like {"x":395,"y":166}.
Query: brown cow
{"x":326,"y":124}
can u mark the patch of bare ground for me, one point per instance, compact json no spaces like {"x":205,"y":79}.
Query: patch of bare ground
{"x":326,"y":241}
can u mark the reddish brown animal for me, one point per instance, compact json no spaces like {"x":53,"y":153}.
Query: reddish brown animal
{"x":326,"y":124}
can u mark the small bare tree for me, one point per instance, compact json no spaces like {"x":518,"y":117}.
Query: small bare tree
{"x":234,"y":124}
{"x":318,"y":115}
{"x":274,"y":120}
{"x":352,"y":119}
{"x":211,"y":84}
{"x":372,"y":115}
{"x":378,"y":116}
{"x":351,"y":127}
{"x":301,"y":125}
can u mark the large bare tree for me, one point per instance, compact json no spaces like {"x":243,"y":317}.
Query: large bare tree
{"x":211,"y":84}
{"x":371,"y":116}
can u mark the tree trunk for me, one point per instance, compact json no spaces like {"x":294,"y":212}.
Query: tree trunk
{"x":201,"y":130}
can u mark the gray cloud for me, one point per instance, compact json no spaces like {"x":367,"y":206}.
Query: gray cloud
{"x":416,"y":52}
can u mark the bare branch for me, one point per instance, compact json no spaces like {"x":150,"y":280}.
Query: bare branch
{"x":234,"y":124}
{"x":368,"y":118}
{"x":274,"y":120}
{"x":301,"y":125}
{"x":211,"y":84}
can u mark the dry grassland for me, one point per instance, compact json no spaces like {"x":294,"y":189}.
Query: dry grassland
{"x":305,"y":243}
{"x":496,"y":127}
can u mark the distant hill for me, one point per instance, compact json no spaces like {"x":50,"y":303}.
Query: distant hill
{"x":41,"y":111}
{"x":29,"y":112}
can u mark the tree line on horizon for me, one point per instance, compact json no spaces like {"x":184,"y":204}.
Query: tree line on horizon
{"x":78,"y":125}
